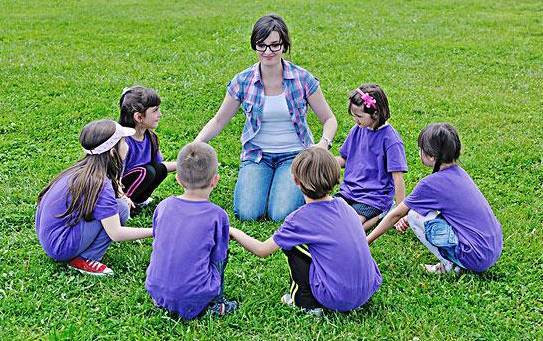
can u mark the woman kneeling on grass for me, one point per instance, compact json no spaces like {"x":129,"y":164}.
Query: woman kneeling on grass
{"x":446,"y":210}
{"x":329,"y":259}
{"x":274,"y":95}
{"x":81,"y":211}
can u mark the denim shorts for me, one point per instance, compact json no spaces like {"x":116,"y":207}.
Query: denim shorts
{"x":441,"y":235}
{"x":362,"y":209}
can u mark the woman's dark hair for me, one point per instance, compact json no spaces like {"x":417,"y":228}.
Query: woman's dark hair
{"x":87,"y":175}
{"x":381,"y":113}
{"x":139,"y":99}
{"x":265,"y":26}
{"x":440,"y":141}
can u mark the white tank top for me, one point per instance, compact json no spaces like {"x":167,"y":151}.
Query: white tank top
{"x":277,"y":133}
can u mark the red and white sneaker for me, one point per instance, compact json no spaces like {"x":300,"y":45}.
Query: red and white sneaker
{"x":90,"y":267}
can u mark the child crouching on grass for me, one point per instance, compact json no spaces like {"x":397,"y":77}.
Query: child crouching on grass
{"x":83,"y":209}
{"x":329,"y":259}
{"x":446,"y":210}
{"x":190,"y":246}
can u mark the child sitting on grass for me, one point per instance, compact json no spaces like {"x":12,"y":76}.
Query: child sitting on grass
{"x":190,"y":246}
{"x":446,"y":210}
{"x":82,"y":210}
{"x":144,"y":167}
{"x":329,"y":259}
{"x":373,"y":156}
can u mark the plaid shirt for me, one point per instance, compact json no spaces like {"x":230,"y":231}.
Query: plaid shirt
{"x":247,"y":87}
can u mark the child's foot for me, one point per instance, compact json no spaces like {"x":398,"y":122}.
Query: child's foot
{"x":318,"y":312}
{"x":90,"y":267}
{"x":222,"y":308}
{"x":145,"y":203}
{"x":288,"y":300}
{"x":441,"y":268}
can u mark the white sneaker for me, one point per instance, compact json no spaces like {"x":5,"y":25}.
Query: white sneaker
{"x":145,"y":203}
{"x":287,"y":299}
{"x":441,"y":268}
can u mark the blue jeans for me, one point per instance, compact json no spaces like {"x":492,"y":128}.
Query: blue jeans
{"x":441,"y":235}
{"x":94,"y":238}
{"x":267,"y":188}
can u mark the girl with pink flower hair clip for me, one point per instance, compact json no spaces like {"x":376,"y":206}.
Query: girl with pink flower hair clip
{"x":373,"y":156}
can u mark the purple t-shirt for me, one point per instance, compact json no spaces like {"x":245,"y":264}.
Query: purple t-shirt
{"x":189,"y":237}
{"x":453,"y":193}
{"x":342,"y":275}
{"x":59,"y":240}
{"x":139,"y":153}
{"x":371,"y":156}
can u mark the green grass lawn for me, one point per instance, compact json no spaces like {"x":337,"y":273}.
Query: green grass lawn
{"x":475,"y":64}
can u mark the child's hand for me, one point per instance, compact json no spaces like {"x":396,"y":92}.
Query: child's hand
{"x":129,"y":201}
{"x":402,"y":225}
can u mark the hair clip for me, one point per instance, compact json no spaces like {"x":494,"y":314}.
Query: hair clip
{"x":369,"y":101}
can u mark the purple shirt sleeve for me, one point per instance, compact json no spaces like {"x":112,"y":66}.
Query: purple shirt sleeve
{"x":344,"y":150}
{"x":106,"y":205}
{"x":396,"y":161}
{"x":422,"y":199}
{"x":159,"y":158}
{"x":221,"y":238}
{"x":289,"y":234}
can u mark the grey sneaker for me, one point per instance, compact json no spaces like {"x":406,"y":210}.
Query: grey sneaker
{"x":222,"y":308}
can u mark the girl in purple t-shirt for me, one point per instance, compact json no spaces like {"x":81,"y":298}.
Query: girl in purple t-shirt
{"x":81,"y":210}
{"x":446,"y":210}
{"x":144,"y":167}
{"x":373,"y":156}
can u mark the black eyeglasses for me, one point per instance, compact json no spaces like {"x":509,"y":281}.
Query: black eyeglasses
{"x":273,"y":47}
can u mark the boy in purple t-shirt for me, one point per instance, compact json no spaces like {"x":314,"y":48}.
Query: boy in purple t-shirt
{"x":373,"y":156}
{"x":446,"y":210}
{"x":190,"y":246}
{"x":329,"y":259}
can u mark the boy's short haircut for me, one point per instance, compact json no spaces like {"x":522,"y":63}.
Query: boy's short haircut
{"x":317,"y":171}
{"x":197,"y":165}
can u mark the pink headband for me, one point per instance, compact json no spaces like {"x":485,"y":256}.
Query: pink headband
{"x":369,"y":101}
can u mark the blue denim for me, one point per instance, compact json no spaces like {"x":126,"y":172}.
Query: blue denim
{"x":266,"y":188}
{"x":441,"y":235}
{"x":94,"y":238}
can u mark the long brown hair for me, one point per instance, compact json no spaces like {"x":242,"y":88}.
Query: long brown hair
{"x":87,"y":175}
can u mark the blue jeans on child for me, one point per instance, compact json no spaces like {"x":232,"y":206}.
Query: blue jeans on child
{"x":94,"y":239}
{"x":267,"y":188}
{"x":437,"y":235}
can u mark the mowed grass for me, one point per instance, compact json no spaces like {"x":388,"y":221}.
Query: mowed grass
{"x":477,"y":65}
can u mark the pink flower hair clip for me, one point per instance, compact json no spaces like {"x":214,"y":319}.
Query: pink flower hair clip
{"x":369,"y":101}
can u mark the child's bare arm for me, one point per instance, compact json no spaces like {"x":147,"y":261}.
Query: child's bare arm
{"x":170,"y":165}
{"x":119,"y":233}
{"x":256,"y":247}
{"x":399,"y":186}
{"x":388,"y":221}
{"x":341,"y":161}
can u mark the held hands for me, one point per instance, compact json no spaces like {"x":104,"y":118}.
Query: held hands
{"x":402,"y":225}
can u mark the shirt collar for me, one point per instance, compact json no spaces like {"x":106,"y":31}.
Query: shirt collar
{"x":287,"y":71}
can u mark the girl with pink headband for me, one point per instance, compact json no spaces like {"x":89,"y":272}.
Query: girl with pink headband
{"x":373,"y":156}
{"x":83,"y":208}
